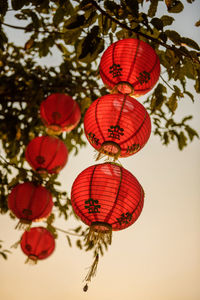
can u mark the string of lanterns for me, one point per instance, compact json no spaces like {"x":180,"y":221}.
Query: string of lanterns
{"x":106,"y":196}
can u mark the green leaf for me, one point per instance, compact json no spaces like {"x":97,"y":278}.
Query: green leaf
{"x":4,"y":255}
{"x":190,"y":43}
{"x":69,"y":241}
{"x":197,"y":23}
{"x":133,"y":6}
{"x":173,"y":36}
{"x":158,"y":97}
{"x":167,"y":20}
{"x":175,"y":6}
{"x":3,"y":7}
{"x":157,"y":23}
{"x":172,"y":103}
{"x":153,"y":8}
{"x":78,"y":244}
{"x":111,"y":6}
{"x":18,"y":4}
{"x":71,"y":36}
{"x":191,"y":132}
{"x":190,"y":95}
{"x":75,"y":22}
{"x":59,"y":15}
{"x":182,"y":140}
{"x":90,"y":46}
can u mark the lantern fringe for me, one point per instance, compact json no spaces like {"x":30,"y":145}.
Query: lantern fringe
{"x":21,"y":225}
{"x":99,"y":237}
{"x":53,"y":132}
{"x":101,"y":153}
{"x":31,"y":261}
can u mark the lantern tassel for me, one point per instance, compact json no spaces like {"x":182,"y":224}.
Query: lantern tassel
{"x":30,"y":261}
{"x":98,"y":237}
{"x":21,"y":225}
{"x":92,"y":269}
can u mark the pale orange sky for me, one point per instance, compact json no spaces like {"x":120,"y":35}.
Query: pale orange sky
{"x":158,"y":258}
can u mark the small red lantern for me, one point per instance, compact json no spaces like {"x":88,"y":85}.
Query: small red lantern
{"x":59,"y":112}
{"x":117,"y":125}
{"x":106,"y":197}
{"x":30,"y":202}
{"x":46,"y":154}
{"x":130,"y":65}
{"x":37,"y":243}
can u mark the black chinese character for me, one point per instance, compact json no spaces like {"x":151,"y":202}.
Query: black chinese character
{"x":125,"y":218}
{"x":144,"y":77}
{"x":92,"y":206}
{"x":115,"y":70}
{"x":133,"y":148}
{"x":92,"y":138}
{"x":115,"y":132}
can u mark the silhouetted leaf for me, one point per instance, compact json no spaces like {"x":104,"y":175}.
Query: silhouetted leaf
{"x":174,"y":6}
{"x":3,"y":7}
{"x":157,"y":23}
{"x":58,"y":17}
{"x":167,"y":20}
{"x":75,"y":22}
{"x":191,"y":132}
{"x":153,"y":8}
{"x":197,"y":23}
{"x":190,"y":43}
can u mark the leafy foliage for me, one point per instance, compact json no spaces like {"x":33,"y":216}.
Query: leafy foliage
{"x":80,"y":31}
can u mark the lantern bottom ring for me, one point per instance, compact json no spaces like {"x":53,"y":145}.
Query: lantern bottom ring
{"x":109,"y":148}
{"x":102,"y":227}
{"x":124,"y":87}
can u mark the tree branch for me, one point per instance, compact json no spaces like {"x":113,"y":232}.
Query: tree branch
{"x":173,"y":48}
{"x":25,"y":28}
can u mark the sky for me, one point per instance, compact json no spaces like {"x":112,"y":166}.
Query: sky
{"x":157,"y":258}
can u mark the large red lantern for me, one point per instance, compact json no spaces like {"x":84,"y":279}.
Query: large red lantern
{"x":117,"y":125}
{"x":59,"y":112}
{"x":46,"y":154}
{"x":106,"y":197}
{"x":37,"y":243}
{"x":30,"y":202}
{"x":131,"y":66}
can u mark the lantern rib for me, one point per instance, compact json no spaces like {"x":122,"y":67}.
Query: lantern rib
{"x":47,"y":204}
{"x":150,"y":71}
{"x":54,"y":156}
{"x":97,"y":122}
{"x":37,"y":253}
{"x":121,"y":110}
{"x":136,"y":208}
{"x":136,"y":132}
{"x":116,"y":198}
{"x":134,"y":60}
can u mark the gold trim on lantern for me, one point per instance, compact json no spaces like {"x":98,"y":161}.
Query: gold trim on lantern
{"x":103,"y":151}
{"x":119,"y":86}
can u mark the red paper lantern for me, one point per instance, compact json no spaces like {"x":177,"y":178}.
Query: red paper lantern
{"x":59,"y":112}
{"x":130,"y":65}
{"x":46,"y":154}
{"x":117,"y":125}
{"x":30,"y":202}
{"x":106,"y":197}
{"x":37,"y":243}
